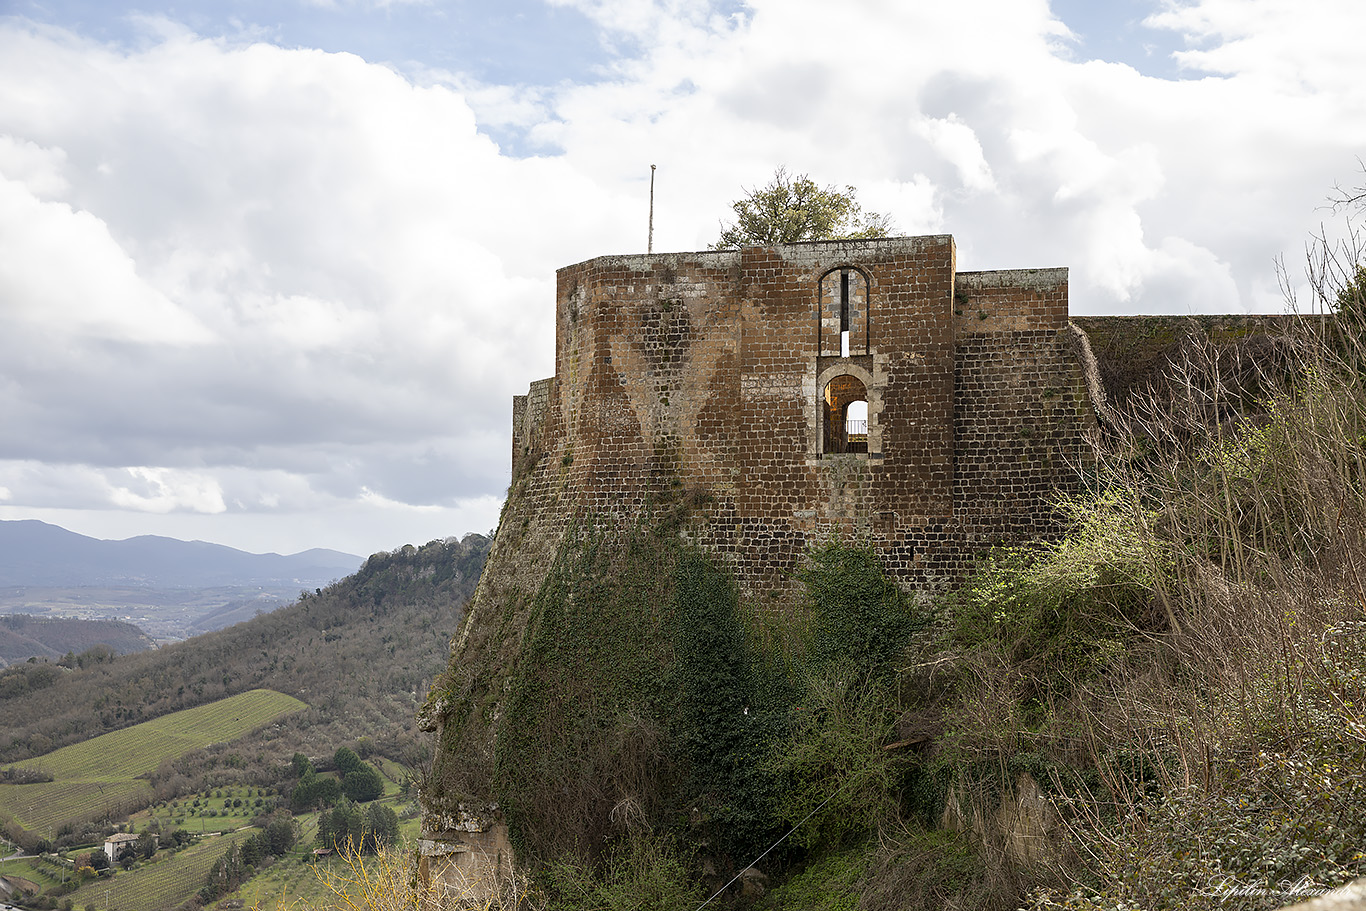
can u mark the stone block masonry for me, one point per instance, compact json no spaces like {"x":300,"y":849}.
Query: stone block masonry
{"x":731,"y":377}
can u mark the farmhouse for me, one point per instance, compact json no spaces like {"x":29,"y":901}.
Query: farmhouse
{"x":116,"y":843}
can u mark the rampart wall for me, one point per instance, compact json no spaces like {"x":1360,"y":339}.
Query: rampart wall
{"x":725,"y":377}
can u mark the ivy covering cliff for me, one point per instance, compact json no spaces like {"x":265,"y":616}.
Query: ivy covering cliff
{"x":647,"y":704}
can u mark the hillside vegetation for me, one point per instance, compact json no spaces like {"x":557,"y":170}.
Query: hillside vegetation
{"x":23,"y":636}
{"x":1163,"y":708}
{"x":108,"y":774}
{"x":360,"y":653}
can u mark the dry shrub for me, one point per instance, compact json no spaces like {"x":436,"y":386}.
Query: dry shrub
{"x":1230,"y":747}
{"x":639,"y":873}
{"x":388,"y":881}
{"x":914,"y":869}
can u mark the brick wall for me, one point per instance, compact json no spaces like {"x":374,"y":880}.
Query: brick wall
{"x":715,"y":373}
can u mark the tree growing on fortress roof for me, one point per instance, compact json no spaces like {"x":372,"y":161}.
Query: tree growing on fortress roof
{"x":791,"y":209}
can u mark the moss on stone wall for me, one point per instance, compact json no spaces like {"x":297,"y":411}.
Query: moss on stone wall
{"x":582,"y":749}
{"x":636,"y":705}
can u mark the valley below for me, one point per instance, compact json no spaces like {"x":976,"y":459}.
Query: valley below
{"x":165,"y":615}
{"x":227,"y":758}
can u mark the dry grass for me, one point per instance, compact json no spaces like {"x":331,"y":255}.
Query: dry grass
{"x":389,"y":881}
{"x":1229,"y":746}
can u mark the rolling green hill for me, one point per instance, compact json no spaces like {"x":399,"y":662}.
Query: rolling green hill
{"x":108,"y":774}
{"x":359,"y":653}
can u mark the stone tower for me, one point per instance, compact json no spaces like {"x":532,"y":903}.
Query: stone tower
{"x":862,"y":386}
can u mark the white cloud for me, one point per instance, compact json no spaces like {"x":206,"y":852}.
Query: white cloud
{"x":62,"y":273}
{"x":167,"y":490}
{"x":298,"y":282}
{"x":1281,"y":44}
{"x":141,"y":488}
{"x":370,"y":498}
{"x":956,"y":142}
{"x":37,"y":169}
{"x":358,"y":264}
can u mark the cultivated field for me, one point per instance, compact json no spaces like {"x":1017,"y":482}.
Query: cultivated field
{"x":31,"y":869}
{"x":44,"y":807}
{"x":207,"y":811}
{"x":100,"y":774}
{"x":163,"y":884}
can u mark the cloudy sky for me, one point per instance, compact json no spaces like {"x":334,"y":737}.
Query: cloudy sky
{"x":270,"y":270}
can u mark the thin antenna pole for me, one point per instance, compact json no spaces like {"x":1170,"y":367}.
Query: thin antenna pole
{"x":650,"y":244}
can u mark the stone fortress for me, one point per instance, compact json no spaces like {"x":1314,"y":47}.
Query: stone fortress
{"x":866,"y":387}
{"x":782,"y":395}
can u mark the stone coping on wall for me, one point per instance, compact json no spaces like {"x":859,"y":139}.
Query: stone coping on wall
{"x":1031,"y":279}
{"x":799,"y":251}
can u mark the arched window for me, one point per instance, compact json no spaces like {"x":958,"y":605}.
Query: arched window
{"x":843,"y":322}
{"x":846,"y":415}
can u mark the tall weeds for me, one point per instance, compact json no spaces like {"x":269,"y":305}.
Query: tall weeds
{"x":1226,"y":732}
{"x":388,"y":881}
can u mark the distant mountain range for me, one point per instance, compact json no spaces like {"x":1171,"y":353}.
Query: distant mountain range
{"x":34,"y":553}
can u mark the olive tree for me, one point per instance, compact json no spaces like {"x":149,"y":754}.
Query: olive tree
{"x":791,"y":209}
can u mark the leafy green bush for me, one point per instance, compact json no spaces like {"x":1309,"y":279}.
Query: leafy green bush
{"x":346,"y":760}
{"x":830,"y":883}
{"x":835,"y":776}
{"x":1066,"y":609}
{"x":315,"y":791}
{"x":730,"y":711}
{"x":860,"y":617}
{"x":363,"y":783}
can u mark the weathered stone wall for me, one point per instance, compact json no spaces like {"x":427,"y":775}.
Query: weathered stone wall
{"x":708,"y":372}
{"x":528,"y":414}
{"x":1135,"y":352}
{"x":1023,"y":415}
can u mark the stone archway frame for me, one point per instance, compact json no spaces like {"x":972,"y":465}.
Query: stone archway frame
{"x":815,"y":422}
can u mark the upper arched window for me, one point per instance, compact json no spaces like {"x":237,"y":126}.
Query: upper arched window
{"x":843,"y":323}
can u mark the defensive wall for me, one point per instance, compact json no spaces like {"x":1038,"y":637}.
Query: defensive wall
{"x":729,"y":377}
